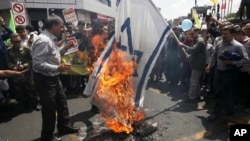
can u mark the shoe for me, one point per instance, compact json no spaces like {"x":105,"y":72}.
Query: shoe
{"x":67,"y":130}
{"x":95,"y":109}
{"x":12,"y":101}
{"x":38,"y":107}
{"x":213,"y":118}
{"x":51,"y":139}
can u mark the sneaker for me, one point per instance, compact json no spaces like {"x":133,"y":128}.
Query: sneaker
{"x":38,"y":107}
{"x":95,"y":109}
{"x":12,"y":101}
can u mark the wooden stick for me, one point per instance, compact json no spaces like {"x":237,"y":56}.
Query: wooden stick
{"x":182,"y":49}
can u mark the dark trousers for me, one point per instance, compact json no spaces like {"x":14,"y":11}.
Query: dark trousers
{"x":53,"y":100}
{"x":244,"y":5}
{"x":224,"y":85}
{"x":243,"y":90}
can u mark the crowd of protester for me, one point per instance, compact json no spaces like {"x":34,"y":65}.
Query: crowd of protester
{"x":30,"y":75}
{"x":212,"y":60}
{"x":16,"y":55}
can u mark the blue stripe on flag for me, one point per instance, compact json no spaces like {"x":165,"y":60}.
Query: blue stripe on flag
{"x":147,"y":66}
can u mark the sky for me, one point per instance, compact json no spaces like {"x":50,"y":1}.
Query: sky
{"x":171,"y":9}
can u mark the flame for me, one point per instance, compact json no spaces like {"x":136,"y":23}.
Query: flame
{"x":98,"y":44}
{"x":115,"y":95}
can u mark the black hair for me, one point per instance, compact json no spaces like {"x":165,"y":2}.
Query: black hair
{"x":20,"y":27}
{"x":52,"y":20}
{"x":97,"y":27}
{"x":238,"y":30}
{"x":81,"y":22}
{"x":230,"y":28}
{"x":29,"y":28}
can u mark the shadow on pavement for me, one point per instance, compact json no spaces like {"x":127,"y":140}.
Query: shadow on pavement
{"x":9,"y":111}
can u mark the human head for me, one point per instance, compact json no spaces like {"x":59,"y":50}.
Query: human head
{"x":177,"y":30}
{"x":195,"y":31}
{"x":54,"y":24}
{"x":69,"y":26}
{"x":189,"y":35}
{"x":15,"y":39}
{"x":81,"y":25}
{"x":21,"y":30}
{"x":246,"y":29}
{"x":97,"y":27}
{"x":29,"y":28}
{"x":239,"y":34}
{"x":227,"y":33}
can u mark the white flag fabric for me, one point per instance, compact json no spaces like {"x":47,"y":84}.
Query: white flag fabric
{"x":141,"y":32}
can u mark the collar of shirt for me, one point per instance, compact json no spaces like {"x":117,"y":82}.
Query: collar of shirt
{"x":50,"y":35}
{"x":228,"y":43}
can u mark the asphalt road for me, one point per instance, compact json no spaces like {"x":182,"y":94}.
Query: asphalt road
{"x":165,"y":104}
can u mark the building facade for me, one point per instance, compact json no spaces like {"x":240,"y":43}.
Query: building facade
{"x":38,"y":10}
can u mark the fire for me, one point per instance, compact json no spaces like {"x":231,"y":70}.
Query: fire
{"x":115,"y":95}
{"x":98,"y":44}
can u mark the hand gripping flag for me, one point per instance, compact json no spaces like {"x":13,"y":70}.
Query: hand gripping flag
{"x":141,"y":32}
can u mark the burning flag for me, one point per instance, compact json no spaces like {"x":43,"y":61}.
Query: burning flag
{"x":117,"y":83}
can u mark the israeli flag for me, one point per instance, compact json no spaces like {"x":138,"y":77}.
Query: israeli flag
{"x":141,"y":31}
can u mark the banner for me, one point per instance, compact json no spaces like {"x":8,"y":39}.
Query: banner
{"x":196,"y":18}
{"x":78,"y":61}
{"x":12,"y":26}
{"x":214,"y":1}
{"x":141,"y":32}
{"x":69,"y":14}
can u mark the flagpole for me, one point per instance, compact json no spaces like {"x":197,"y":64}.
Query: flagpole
{"x":178,"y":41}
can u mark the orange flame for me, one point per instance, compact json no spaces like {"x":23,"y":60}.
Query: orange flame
{"x":115,"y":96}
{"x":98,"y":44}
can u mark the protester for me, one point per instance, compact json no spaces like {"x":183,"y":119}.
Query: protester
{"x":244,"y":9}
{"x":27,"y":38}
{"x":197,"y":60}
{"x":226,"y":72}
{"x":7,"y":73}
{"x":47,"y":66}
{"x":3,"y":37}
{"x":19,"y":58}
{"x":185,"y":67}
{"x":244,"y":77}
{"x":172,"y":59}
